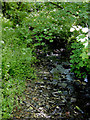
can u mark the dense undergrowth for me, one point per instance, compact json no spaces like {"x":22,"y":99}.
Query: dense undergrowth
{"x":17,"y":60}
{"x":27,"y":27}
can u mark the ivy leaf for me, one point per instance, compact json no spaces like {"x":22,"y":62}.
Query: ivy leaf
{"x":81,"y":64}
{"x":84,"y":55}
{"x":29,"y":40}
{"x":51,"y":40}
{"x":50,"y":33}
{"x":42,"y":43}
{"x":36,"y":44}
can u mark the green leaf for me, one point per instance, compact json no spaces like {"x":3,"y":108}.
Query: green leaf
{"x":84,"y":55}
{"x":50,"y":34}
{"x":81,"y":64}
{"x":36,"y":44}
{"x":29,"y":40}
{"x":51,"y":40}
{"x":42,"y":43}
{"x":31,"y":108}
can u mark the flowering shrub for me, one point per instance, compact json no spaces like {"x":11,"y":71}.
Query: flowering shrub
{"x":78,"y":28}
{"x":79,"y":58}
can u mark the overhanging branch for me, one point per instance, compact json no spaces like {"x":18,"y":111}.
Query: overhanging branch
{"x":58,"y":6}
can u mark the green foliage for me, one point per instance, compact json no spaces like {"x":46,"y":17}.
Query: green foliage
{"x":17,"y":61}
{"x":79,"y":59}
{"x":45,"y":23}
{"x":11,"y":89}
{"x":52,"y":24}
{"x":27,"y":26}
{"x":48,"y":24}
{"x":16,"y":11}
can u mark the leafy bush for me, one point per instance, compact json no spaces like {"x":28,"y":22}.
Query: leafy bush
{"x":79,"y":58}
{"x":46,"y":27}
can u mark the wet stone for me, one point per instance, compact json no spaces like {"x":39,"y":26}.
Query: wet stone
{"x":56,"y":93}
{"x":65,"y":93}
{"x":63,"y":85}
{"x":62,"y":104}
{"x":54,"y":89}
{"x":45,"y":78}
{"x":63,"y":97}
{"x":40,"y":91}
{"x":42,"y":86}
{"x":57,"y":98}
{"x":49,"y":88}
{"x":47,"y":106}
{"x":49,"y":83}
{"x":38,"y":83}
{"x":51,"y":102}
{"x":63,"y":101}
{"x":73,"y":99}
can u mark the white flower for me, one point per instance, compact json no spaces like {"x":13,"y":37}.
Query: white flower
{"x":85,"y":44}
{"x":86,"y":80}
{"x":75,"y":27}
{"x":72,"y":29}
{"x":4,"y":29}
{"x":54,"y":10}
{"x":8,"y":65}
{"x":17,"y":25}
{"x":11,"y":29}
{"x":45,"y":29}
{"x":2,"y":42}
{"x":79,"y":27}
{"x":24,"y":53}
{"x":85,"y":30}
{"x":82,"y":40}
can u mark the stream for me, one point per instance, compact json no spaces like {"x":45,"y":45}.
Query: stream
{"x":55,"y":94}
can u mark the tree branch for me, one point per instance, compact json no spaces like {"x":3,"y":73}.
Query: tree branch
{"x":62,"y":8}
{"x":56,"y":5}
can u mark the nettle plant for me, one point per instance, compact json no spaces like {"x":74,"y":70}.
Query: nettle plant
{"x":79,"y":58}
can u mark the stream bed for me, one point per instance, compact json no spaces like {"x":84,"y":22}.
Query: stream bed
{"x":55,"y":94}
